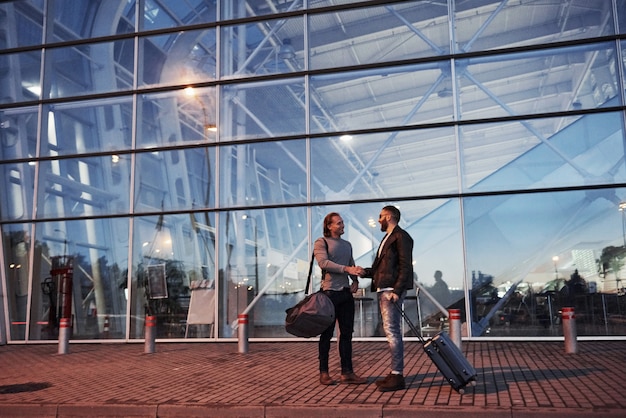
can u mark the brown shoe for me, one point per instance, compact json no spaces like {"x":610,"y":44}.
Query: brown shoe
{"x":393,"y":382}
{"x":353,"y":379}
{"x":383,"y":380}
{"x":325,"y":379}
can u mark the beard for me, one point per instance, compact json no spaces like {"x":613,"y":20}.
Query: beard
{"x":383,"y":226}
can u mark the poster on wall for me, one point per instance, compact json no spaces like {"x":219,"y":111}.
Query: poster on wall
{"x":157,"y":285}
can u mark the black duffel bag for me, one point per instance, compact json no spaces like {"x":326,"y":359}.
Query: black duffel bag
{"x":311,"y":316}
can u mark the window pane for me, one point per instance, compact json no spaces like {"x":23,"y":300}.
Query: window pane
{"x":18,"y":14}
{"x":170,"y":14}
{"x":18,"y":130}
{"x":540,"y":153}
{"x":81,"y":127}
{"x":17,"y":182}
{"x":172,"y":255}
{"x":183,"y":57}
{"x":84,"y":186}
{"x":235,"y":10}
{"x":378,"y":98}
{"x":93,"y":68}
{"x":16,"y":253}
{"x":259,"y":48}
{"x":375,"y":165}
{"x":392,"y":32}
{"x":264,"y":173}
{"x":262,"y":110}
{"x":522,"y":251}
{"x":96,"y":250}
{"x":27,"y":86}
{"x":511,"y":24}
{"x":177,"y":179}
{"x":280,"y":265}
{"x":177,"y":117}
{"x":540,"y":81}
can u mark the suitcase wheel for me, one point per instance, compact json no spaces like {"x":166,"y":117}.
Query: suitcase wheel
{"x":461,"y":391}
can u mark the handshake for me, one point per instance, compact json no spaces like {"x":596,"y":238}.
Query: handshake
{"x":358,"y":271}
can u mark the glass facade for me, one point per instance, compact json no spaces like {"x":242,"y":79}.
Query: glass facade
{"x":176,"y":159}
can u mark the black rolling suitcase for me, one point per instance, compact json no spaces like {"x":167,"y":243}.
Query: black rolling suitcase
{"x":447,"y":357}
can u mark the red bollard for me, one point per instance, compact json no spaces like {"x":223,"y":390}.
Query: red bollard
{"x":454,"y":320}
{"x":242,"y":333}
{"x":150,"y":334}
{"x":569,"y":330}
{"x":105,"y":327}
{"x":65,"y":326}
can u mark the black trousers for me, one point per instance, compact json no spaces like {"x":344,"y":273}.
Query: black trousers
{"x":344,"y":315}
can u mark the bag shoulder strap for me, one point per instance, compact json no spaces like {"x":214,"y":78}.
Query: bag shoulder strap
{"x":308,"y":279}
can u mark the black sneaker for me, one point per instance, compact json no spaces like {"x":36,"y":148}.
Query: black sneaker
{"x":392,"y":382}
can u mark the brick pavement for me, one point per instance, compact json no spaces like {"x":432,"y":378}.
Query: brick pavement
{"x":280,"y":379}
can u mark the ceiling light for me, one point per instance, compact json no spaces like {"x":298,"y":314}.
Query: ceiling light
{"x":445,"y":92}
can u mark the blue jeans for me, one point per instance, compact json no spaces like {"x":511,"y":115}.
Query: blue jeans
{"x":344,"y":315}
{"x":392,"y":325}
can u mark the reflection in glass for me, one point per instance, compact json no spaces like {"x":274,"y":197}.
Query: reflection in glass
{"x":84,"y":186}
{"x":190,"y":58}
{"x":480,"y":28}
{"x":95,"y":252}
{"x":89,"y":68}
{"x":262,"y":48}
{"x":522,"y":251}
{"x":173,"y":254}
{"x":28,"y":65}
{"x":424,"y":97}
{"x":176,"y":179}
{"x":16,"y":248}
{"x":552,"y":87}
{"x":394,"y":32}
{"x":263,"y":173}
{"x":265,"y":109}
{"x":17,"y":182}
{"x":177,"y":117}
{"x":363,"y":166}
{"x":539,"y":153}
{"x":88,"y":126}
{"x":264,"y":262}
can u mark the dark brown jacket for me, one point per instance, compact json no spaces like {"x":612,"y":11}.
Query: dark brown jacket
{"x":394,"y":266}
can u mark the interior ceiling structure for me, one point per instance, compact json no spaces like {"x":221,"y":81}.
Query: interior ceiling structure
{"x":526,"y":83}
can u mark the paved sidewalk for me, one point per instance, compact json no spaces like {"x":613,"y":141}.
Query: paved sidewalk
{"x":280,"y":379}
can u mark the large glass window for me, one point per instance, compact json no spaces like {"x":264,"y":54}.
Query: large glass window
{"x":184,"y":154}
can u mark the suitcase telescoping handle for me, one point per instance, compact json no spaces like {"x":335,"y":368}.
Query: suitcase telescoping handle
{"x":410,"y":323}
